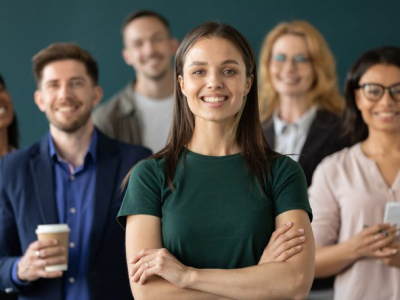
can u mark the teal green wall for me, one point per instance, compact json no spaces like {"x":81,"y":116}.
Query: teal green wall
{"x":350,"y":28}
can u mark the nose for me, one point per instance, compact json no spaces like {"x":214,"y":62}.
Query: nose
{"x":64,"y":92}
{"x":214,"y":81}
{"x":148,"y":47}
{"x":289,"y":64}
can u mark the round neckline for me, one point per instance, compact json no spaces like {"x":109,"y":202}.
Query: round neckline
{"x":209,"y":157}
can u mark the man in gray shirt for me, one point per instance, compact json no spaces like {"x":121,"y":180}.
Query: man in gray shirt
{"x":141,"y":113}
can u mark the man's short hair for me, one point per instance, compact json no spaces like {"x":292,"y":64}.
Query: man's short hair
{"x":144,"y":13}
{"x":64,"y":51}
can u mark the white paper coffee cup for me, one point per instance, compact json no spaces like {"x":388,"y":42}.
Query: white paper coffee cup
{"x":59,"y":232}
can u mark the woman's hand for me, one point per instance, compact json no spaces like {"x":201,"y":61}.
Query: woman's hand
{"x":374,"y":242}
{"x":158,"y":262}
{"x":394,"y":259}
{"x":283,"y":244}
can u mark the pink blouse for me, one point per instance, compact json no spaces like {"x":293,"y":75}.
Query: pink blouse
{"x":348,"y":192}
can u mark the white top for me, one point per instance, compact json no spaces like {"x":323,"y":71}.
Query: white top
{"x":155,"y":118}
{"x":290,"y":137}
{"x":348,"y":191}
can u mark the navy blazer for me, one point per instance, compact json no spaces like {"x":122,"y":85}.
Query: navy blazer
{"x":323,"y":139}
{"x":27,"y":198}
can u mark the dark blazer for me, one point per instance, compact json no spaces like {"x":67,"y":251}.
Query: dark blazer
{"x":27,"y":199}
{"x":323,"y":139}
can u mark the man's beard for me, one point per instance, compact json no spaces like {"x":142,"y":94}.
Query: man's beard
{"x":157,"y":77}
{"x":72,"y":126}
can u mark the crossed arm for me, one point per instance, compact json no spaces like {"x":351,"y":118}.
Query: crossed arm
{"x":278,"y":279}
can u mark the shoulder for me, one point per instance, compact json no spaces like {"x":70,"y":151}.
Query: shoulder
{"x":285,"y":164}
{"x":114,"y":106}
{"x":124,"y":150}
{"x":339,"y":158}
{"x":328,"y":118}
{"x":15,"y":165}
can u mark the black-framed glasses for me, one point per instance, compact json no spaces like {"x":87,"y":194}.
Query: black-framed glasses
{"x":374,"y":91}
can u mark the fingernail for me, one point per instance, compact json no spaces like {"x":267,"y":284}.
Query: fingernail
{"x":394,"y":251}
{"x":302,"y":238}
{"x":288,"y":223}
{"x":301,"y":230}
{"x":298,"y":247}
{"x":130,"y":261}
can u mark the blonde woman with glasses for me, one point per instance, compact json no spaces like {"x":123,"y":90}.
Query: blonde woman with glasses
{"x":300,"y":105}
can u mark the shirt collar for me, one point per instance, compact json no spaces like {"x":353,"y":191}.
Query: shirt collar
{"x":303,"y":123}
{"x":90,"y":152}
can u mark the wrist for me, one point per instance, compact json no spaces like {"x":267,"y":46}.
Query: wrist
{"x":351,"y":251}
{"x":190,"y":278}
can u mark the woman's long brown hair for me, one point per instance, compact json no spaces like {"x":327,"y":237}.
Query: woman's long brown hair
{"x":248,"y":136}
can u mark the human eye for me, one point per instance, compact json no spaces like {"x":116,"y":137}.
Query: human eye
{"x":198,"y":72}
{"x":301,"y":58}
{"x":76,"y":83}
{"x":373,"y":89}
{"x":229,"y":72}
{"x":52,"y":85}
{"x":395,"y":89}
{"x":279,"y":57}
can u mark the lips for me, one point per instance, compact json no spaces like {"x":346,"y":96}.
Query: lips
{"x":289,"y":80}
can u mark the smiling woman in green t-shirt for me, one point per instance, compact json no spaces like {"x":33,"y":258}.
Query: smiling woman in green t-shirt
{"x":201,"y":213}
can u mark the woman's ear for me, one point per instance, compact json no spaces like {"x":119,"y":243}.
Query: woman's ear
{"x":181,"y":84}
{"x":249,"y":82}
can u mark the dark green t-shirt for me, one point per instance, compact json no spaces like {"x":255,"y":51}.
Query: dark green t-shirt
{"x":215,"y":218}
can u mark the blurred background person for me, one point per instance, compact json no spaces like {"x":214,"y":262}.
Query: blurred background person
{"x":300,"y":104}
{"x":141,"y":113}
{"x":351,"y":188}
{"x":8,"y":122}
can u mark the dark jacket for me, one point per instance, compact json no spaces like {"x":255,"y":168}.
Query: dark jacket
{"x":323,"y":139}
{"x":27,"y":198}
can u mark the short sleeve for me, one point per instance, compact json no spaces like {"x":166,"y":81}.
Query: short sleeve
{"x":323,"y":201}
{"x":289,"y":186}
{"x":143,"y":193}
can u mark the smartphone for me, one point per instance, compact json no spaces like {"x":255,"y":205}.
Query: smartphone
{"x":392,"y":214}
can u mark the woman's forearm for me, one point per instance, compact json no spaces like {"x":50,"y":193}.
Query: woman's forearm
{"x":332,"y":260}
{"x":277,"y":280}
{"x":157,"y":288}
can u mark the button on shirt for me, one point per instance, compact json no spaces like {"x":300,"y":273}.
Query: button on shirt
{"x":290,"y":137}
{"x":75,"y":203}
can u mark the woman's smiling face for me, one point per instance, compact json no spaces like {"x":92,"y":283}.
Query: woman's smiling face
{"x":6,"y":108}
{"x":214,"y":80}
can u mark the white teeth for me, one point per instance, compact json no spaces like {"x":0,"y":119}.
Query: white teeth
{"x":289,"y":80}
{"x":386,"y":114}
{"x":214,"y":99}
{"x":66,"y":109}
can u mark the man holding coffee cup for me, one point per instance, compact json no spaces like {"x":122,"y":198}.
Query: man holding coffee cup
{"x":71,"y":179}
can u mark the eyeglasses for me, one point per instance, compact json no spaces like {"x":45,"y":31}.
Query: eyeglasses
{"x":374,"y":91}
{"x":298,"y":60}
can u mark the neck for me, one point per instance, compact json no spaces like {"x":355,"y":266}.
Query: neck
{"x":291,"y":108}
{"x":213,"y":139}
{"x":382,"y":143}
{"x":155,"y":89}
{"x":4,"y":147}
{"x":73,"y":146}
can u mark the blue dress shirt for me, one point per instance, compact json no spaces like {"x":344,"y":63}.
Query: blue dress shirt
{"x":74,"y":188}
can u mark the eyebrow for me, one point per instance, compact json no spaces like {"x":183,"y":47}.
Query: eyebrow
{"x":72,"y":78}
{"x":225,"y":62}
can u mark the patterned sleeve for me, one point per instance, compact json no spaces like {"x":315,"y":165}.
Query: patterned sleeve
{"x":143,"y":193}
{"x":289,"y":187}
